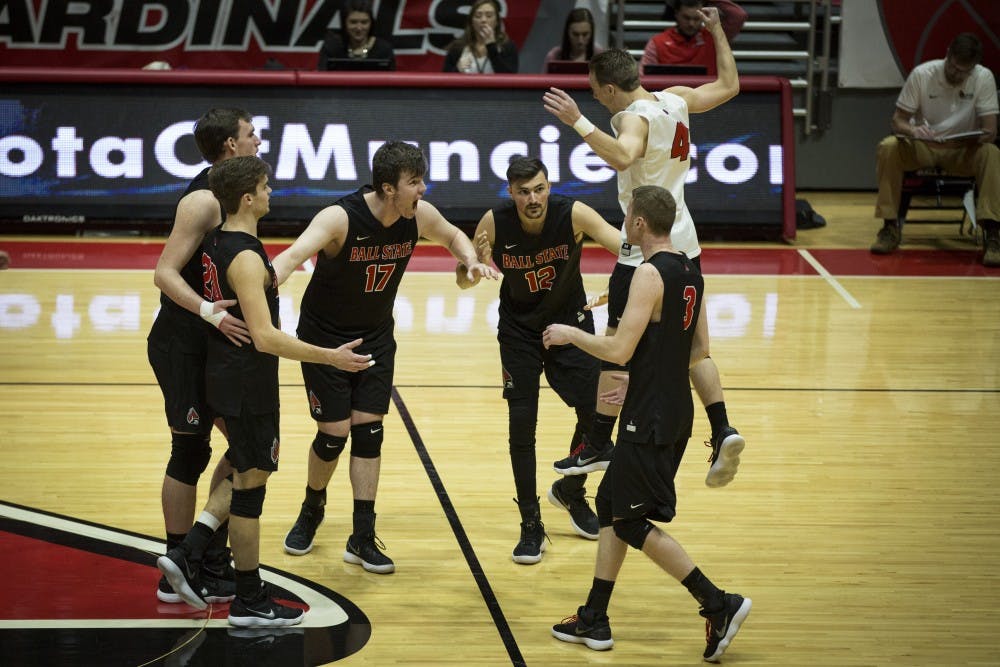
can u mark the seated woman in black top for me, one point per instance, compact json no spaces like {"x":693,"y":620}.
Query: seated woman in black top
{"x":484,"y":48}
{"x":355,"y":41}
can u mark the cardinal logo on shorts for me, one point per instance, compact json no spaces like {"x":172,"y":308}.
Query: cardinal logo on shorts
{"x":314,"y":404}
{"x":192,"y":417}
{"x":508,"y":381}
{"x":275,"y":448}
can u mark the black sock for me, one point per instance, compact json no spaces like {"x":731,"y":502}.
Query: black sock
{"x":717,"y":417}
{"x":704,"y":591}
{"x":315,"y":498}
{"x":600,"y":596}
{"x":197,"y":539}
{"x":601,"y":429}
{"x":247,"y":583}
{"x":174,"y":540}
{"x":364,"y":517}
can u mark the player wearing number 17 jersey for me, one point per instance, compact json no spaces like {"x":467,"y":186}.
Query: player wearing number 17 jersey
{"x":364,"y":242}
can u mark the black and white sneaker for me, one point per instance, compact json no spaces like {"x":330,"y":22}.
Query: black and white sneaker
{"x":183,"y":576}
{"x":165,"y":592}
{"x":725,"y":459}
{"x":299,"y":540}
{"x":581,"y":517}
{"x":366,"y":552}
{"x":587,"y":628}
{"x":722,"y":626}
{"x":585,"y":458}
{"x":214,"y":589}
{"x":263,"y":611}
{"x":532,"y":543}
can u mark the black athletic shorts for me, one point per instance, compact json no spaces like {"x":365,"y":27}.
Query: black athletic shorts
{"x":639,"y":481}
{"x":570,"y":371}
{"x":333,"y":393}
{"x":253,"y":441}
{"x":176,"y":351}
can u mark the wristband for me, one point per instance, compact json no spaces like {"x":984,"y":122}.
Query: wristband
{"x":207,"y":309}
{"x":583,"y":126}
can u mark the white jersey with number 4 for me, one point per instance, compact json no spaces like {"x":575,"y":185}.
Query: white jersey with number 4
{"x":665,"y":163}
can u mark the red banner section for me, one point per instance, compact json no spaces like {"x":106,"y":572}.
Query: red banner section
{"x":920,"y":30}
{"x":226,"y":34}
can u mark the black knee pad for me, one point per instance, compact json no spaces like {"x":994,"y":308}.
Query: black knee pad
{"x":366,"y":440}
{"x":632,"y":532}
{"x":328,"y":447}
{"x":189,"y":456}
{"x":247,"y":503}
{"x":602,"y":505}
{"x":522,"y":419}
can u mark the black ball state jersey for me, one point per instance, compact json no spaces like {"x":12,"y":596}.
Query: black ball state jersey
{"x":353,"y":292}
{"x":658,"y":403}
{"x":191,"y":271}
{"x":238,"y":379}
{"x":541,"y":272}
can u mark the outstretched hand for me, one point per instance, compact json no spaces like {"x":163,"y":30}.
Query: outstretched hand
{"x":481,"y":270}
{"x":558,"y":103}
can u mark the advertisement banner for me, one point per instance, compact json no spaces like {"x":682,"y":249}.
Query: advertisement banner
{"x":125,"y":151}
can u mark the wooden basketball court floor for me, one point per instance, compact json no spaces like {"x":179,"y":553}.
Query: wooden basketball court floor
{"x":863,"y":521}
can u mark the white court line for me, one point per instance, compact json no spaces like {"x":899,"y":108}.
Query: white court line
{"x":821,"y":270}
{"x":307,"y":266}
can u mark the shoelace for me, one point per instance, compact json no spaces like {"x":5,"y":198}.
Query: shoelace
{"x":570,"y":619}
{"x":714,"y":454}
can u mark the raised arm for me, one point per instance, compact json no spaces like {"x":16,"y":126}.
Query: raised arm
{"x":643,"y":295}
{"x":197,"y":213}
{"x":483,"y":241}
{"x":590,"y":222}
{"x":618,"y":152}
{"x":327,"y":230}
{"x":727,"y":81}
{"x":247,"y":275}
{"x":432,"y":225}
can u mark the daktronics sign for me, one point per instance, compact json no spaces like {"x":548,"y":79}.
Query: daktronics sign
{"x":241,"y":34}
{"x":126,"y":151}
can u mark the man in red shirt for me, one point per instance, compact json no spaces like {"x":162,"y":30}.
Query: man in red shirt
{"x":686,"y":44}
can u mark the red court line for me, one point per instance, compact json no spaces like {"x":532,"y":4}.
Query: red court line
{"x":142,"y":255}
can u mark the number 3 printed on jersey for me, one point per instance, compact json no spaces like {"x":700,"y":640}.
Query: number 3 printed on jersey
{"x":690,"y":299}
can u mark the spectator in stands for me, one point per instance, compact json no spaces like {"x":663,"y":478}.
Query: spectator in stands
{"x":578,"y":39}
{"x":731,"y":15}
{"x":355,"y":40}
{"x":4,"y":260}
{"x":941,"y":98}
{"x":688,"y":43}
{"x":484,"y":48}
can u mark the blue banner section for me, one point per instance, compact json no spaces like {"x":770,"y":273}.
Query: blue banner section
{"x":81,"y":151}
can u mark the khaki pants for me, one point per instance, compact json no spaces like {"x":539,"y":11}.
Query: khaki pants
{"x":896,"y":155}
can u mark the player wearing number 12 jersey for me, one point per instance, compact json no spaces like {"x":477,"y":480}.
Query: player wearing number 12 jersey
{"x":364,"y":242}
{"x":535,"y":239}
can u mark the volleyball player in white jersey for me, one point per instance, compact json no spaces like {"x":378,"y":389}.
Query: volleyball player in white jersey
{"x":650,"y":146}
